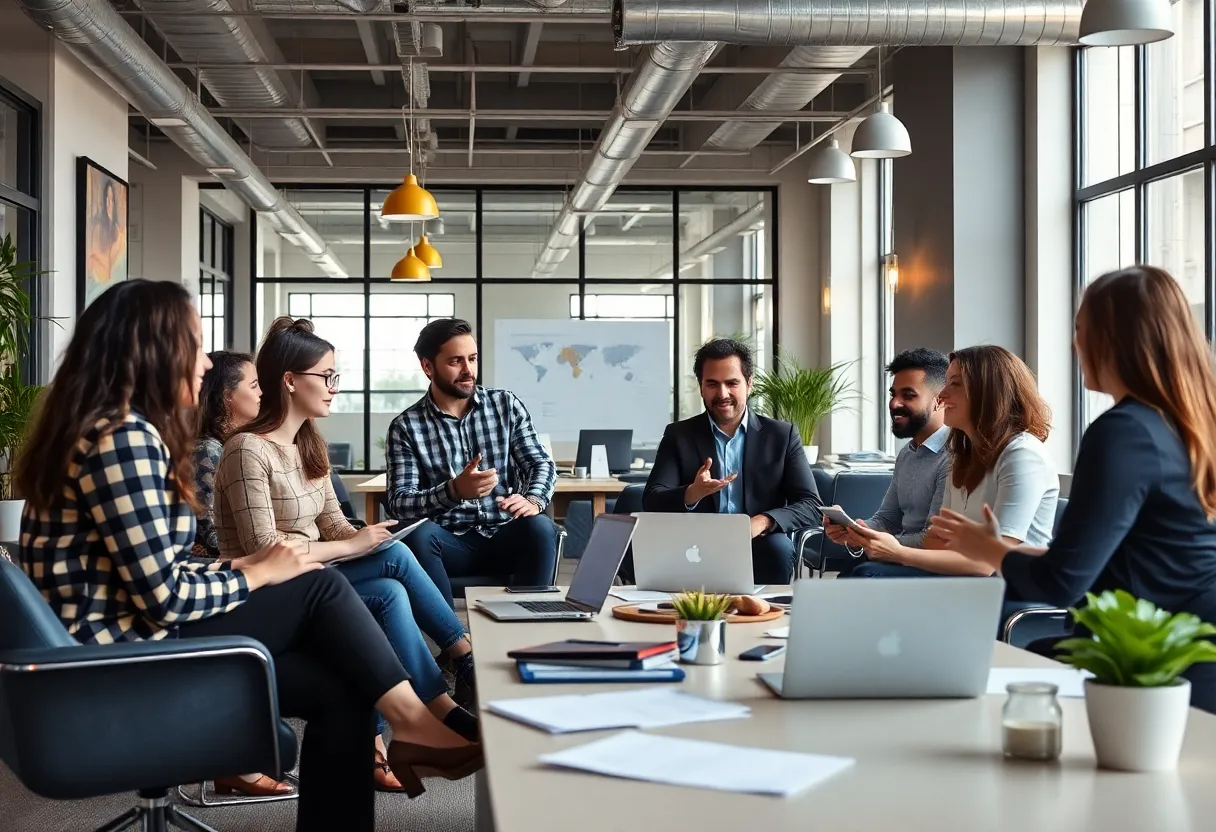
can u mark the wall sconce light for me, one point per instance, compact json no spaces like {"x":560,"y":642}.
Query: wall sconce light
{"x":891,"y":264}
{"x":827,"y":300}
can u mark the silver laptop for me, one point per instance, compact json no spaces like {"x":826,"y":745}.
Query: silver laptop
{"x":590,"y":585}
{"x":882,"y":638}
{"x":676,"y":552}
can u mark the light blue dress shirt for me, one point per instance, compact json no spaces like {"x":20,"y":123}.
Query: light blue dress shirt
{"x":730,"y":455}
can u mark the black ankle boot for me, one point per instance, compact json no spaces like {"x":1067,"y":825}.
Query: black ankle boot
{"x":466,"y":683}
{"x":463,"y":723}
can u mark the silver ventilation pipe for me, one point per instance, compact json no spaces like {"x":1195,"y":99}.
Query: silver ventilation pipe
{"x":752,"y":217}
{"x":784,"y":93}
{"x":99,"y":36}
{"x":655,"y":88}
{"x":849,"y":22}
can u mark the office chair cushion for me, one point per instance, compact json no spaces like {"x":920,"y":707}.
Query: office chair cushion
{"x":629,"y":500}
{"x":25,"y":619}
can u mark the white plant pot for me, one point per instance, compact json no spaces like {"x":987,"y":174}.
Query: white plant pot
{"x":10,"y":520}
{"x":812,"y":453}
{"x":1137,"y":729}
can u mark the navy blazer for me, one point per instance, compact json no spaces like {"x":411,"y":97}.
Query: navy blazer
{"x":777,"y":478}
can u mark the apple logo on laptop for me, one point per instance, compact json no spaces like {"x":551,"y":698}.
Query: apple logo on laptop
{"x":888,"y":645}
{"x":693,"y":553}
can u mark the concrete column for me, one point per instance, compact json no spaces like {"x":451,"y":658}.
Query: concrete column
{"x":169,"y":201}
{"x":959,"y":207}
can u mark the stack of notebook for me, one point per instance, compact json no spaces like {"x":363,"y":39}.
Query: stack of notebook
{"x":576,"y":660}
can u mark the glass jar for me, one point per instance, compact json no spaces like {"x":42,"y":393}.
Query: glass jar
{"x":1031,"y":721}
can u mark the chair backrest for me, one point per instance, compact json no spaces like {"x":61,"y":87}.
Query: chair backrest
{"x":630,"y":499}
{"x":860,"y":494}
{"x":1061,"y":504}
{"x":341,"y":455}
{"x":25,"y":619}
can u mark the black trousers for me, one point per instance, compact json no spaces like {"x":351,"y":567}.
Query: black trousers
{"x":332,"y":662}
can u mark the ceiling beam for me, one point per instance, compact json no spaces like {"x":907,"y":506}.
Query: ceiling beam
{"x":456,"y":114}
{"x":530,"y":69}
{"x":371,"y":48}
{"x":527,"y":51}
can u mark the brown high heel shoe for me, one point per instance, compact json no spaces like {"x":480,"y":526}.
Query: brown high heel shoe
{"x":412,"y":762}
{"x":262,"y":787}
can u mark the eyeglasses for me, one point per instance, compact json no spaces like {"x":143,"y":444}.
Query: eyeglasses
{"x":331,"y":378}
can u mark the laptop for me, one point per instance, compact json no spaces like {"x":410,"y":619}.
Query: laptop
{"x":677,"y":552}
{"x":890,"y":638}
{"x":590,"y":585}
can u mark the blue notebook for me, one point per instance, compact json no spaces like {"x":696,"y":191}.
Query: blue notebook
{"x":538,"y":672}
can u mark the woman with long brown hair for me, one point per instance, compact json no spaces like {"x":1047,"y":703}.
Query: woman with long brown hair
{"x":1143,"y":496}
{"x":998,"y":423}
{"x":106,"y":538}
{"x":272,"y":483}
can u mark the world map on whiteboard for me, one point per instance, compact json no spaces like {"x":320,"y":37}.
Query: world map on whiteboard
{"x":574,"y":375}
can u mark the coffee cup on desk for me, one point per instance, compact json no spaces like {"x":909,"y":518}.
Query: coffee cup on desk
{"x":580,"y":471}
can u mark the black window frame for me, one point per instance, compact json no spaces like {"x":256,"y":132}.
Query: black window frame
{"x":217,"y":263}
{"x":25,"y":197}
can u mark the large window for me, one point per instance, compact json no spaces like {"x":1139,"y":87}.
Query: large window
{"x":700,"y":259}
{"x":1146,"y":159}
{"x":214,"y":280}
{"x":20,"y":205}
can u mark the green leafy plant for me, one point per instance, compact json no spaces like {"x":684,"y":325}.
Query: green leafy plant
{"x":804,"y":396}
{"x":17,"y":399}
{"x":697,"y":605}
{"x":1135,"y":644}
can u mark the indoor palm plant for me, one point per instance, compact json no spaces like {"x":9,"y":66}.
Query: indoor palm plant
{"x":804,"y":396}
{"x":17,"y":398}
{"x":701,"y":626}
{"x":1137,"y":700}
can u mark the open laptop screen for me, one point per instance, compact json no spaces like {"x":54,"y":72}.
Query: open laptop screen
{"x":601,"y":559}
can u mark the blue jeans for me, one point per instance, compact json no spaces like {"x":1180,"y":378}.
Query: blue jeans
{"x":522,"y":552}
{"x":877,"y":569}
{"x":405,"y":603}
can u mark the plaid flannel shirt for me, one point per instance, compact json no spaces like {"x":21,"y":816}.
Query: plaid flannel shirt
{"x":113,"y":559}
{"x":426,"y":448}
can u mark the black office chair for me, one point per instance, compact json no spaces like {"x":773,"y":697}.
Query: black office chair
{"x":137,"y":716}
{"x":860,"y":494}
{"x":348,"y":508}
{"x":1027,"y":621}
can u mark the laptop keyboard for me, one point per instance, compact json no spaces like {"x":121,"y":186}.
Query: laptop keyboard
{"x":549,"y":606}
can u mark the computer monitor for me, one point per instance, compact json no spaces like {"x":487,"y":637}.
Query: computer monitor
{"x":618,"y":443}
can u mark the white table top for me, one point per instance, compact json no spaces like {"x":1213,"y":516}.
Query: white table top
{"x":932,"y":765}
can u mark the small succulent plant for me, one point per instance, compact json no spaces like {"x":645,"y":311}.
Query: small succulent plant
{"x":697,"y":605}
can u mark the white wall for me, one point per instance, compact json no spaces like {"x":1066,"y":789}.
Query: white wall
{"x":168,"y":197}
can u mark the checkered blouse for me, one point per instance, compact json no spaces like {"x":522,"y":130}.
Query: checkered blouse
{"x":113,"y":559}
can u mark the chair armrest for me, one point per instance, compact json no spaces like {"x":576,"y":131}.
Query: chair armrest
{"x":1020,"y":616}
{"x":139,"y":715}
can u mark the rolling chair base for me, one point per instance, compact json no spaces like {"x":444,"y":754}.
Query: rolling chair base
{"x":207,"y":797}
{"x":155,"y":814}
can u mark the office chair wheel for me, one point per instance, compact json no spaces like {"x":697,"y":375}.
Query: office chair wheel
{"x":155,"y":814}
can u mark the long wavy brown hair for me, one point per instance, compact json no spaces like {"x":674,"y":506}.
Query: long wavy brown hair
{"x":1138,"y":326}
{"x":1005,"y":402}
{"x":291,"y":346}
{"x":133,"y":348}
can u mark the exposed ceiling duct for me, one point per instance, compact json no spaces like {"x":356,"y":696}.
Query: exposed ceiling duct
{"x":99,"y":36}
{"x":515,"y":11}
{"x":214,"y":39}
{"x":655,"y":88}
{"x":752,"y":218}
{"x":850,"y":22}
{"x":784,"y":93}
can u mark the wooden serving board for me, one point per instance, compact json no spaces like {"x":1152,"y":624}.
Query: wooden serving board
{"x":631,"y":612}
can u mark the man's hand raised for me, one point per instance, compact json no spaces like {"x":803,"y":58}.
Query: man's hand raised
{"x":470,"y":483}
{"x":703,"y":484}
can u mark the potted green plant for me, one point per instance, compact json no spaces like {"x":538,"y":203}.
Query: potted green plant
{"x":17,"y":398}
{"x":1137,"y":701}
{"x":804,"y":396}
{"x":701,"y":626}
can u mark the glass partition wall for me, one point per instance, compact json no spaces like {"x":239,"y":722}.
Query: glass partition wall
{"x":703,"y":260}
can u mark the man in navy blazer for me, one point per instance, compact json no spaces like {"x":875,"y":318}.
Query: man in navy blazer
{"x":730,"y":460}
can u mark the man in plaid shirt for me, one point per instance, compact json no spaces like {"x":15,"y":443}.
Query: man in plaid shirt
{"x":467,"y":460}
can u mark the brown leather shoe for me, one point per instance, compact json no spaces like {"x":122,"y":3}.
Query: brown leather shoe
{"x":386,"y":781}
{"x":412,"y":762}
{"x":262,"y":787}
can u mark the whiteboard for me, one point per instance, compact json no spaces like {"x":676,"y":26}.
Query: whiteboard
{"x":588,"y":375}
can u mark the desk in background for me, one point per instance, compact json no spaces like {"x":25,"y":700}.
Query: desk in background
{"x":567,"y":489}
{"x":922,"y":765}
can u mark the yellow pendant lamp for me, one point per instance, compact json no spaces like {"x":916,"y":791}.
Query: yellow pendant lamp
{"x":410,"y":267}
{"x":427,"y":253}
{"x":409,"y":202}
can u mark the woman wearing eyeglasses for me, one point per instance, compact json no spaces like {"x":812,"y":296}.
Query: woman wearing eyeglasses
{"x":272,"y":483}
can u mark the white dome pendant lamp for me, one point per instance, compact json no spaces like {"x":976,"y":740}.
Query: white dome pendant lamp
{"x":881,"y":135}
{"x":1125,"y":22}
{"x":830,"y":165}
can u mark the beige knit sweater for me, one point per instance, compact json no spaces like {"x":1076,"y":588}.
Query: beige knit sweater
{"x":261,"y":496}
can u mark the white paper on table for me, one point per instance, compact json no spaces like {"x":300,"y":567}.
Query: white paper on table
{"x":699,"y":764}
{"x":636,"y":596}
{"x":1070,"y":681}
{"x":779,"y":632}
{"x":649,"y":708}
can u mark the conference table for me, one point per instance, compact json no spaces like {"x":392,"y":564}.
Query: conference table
{"x":595,"y":489}
{"x":932,"y":765}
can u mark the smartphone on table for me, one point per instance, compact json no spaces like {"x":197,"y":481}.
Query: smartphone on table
{"x":530,"y":589}
{"x":762,"y":652}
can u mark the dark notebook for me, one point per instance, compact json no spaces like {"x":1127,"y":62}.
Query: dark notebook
{"x":624,"y":654}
